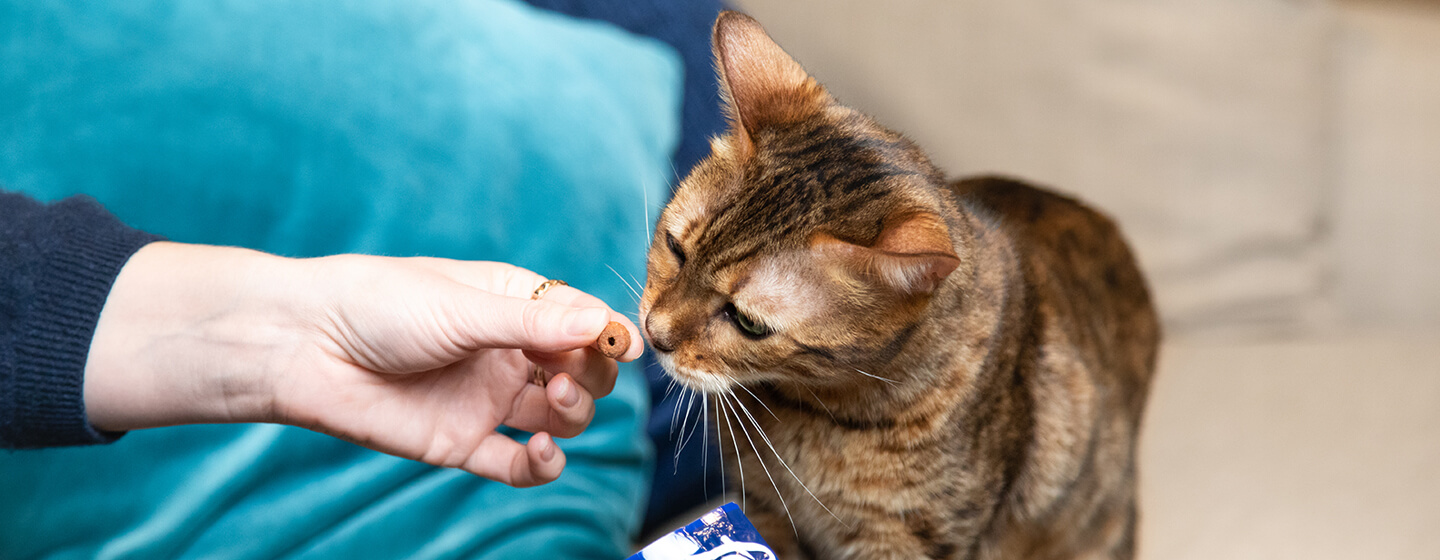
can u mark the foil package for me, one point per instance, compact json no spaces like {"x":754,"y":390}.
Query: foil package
{"x":724,"y":532}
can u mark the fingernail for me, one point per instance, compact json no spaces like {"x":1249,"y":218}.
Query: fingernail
{"x":586,"y":320}
{"x":568,"y":396}
{"x":548,"y":452}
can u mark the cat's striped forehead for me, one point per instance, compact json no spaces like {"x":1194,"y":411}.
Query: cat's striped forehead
{"x":839,"y":178}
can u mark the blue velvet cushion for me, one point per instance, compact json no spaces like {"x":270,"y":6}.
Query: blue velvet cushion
{"x":475,"y":130}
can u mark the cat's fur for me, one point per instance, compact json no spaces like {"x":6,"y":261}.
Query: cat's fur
{"x":1011,"y":326}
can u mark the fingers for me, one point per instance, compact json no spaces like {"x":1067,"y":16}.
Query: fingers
{"x":571,"y":407}
{"x":568,"y":295}
{"x":505,"y":460}
{"x":562,"y":408}
{"x":517,"y":283}
{"x":576,"y":298}
{"x":594,"y":372}
{"x":491,"y":321}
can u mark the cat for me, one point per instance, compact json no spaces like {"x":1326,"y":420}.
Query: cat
{"x":898,"y":366}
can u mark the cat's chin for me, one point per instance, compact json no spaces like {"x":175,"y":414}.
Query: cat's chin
{"x":705,"y":382}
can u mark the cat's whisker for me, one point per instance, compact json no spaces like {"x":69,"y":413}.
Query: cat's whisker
{"x":705,"y":449}
{"x":822,"y":403}
{"x":669,"y":387}
{"x":762,"y":403}
{"x":738,"y":463}
{"x":701,"y":397}
{"x":890,"y":381}
{"x":676,"y":413}
{"x":704,"y":416}
{"x":628,"y":286}
{"x":720,"y":447}
{"x":680,"y":444}
{"x":684,"y":421}
{"x":766,"y":439}
{"x":645,"y":233}
{"x":694,"y":426}
{"x":686,"y":400}
{"x":778,"y":494}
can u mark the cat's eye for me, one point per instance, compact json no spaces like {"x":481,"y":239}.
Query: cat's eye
{"x":675,"y":249}
{"x":746,"y":323}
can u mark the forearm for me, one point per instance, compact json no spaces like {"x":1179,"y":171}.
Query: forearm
{"x":191,"y":334}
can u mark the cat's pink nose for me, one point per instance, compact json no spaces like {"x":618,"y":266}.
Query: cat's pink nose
{"x":660,"y":336}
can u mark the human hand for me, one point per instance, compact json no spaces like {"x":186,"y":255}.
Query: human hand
{"x":420,"y":358}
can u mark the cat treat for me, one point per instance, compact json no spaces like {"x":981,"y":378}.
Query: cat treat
{"x":614,"y":341}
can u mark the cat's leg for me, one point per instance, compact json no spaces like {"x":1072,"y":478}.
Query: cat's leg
{"x":1119,"y":532}
{"x":778,"y":533}
{"x":1113,"y":536}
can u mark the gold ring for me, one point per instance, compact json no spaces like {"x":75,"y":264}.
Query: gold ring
{"x":545,"y":287}
{"x":538,"y":376}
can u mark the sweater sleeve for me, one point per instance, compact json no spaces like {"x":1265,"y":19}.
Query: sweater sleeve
{"x":57,"y":264}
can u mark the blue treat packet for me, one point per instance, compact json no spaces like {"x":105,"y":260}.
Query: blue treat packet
{"x":722,"y":533}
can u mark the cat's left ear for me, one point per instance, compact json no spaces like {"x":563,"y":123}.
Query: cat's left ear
{"x":763,"y":86}
{"x":912,"y":256}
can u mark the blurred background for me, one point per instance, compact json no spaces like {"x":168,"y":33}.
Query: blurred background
{"x":1277,"y":166}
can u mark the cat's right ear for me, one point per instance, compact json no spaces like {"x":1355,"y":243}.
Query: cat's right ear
{"x":912,"y":256}
{"x":762,"y":85}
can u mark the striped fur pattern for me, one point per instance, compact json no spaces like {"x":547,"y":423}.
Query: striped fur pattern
{"x":897,"y":366}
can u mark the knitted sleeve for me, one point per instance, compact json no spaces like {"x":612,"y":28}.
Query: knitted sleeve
{"x":57,"y":264}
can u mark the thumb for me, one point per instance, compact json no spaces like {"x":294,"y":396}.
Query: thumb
{"x":496,"y":321}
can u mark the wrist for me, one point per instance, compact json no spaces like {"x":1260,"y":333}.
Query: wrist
{"x":192,"y":334}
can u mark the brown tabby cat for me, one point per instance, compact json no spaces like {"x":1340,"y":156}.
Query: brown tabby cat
{"x":905,"y":367}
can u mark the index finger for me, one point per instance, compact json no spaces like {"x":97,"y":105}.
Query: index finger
{"x":521,"y":283}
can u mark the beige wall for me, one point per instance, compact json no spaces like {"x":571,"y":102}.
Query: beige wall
{"x":1274,"y":162}
{"x":1386,"y":208}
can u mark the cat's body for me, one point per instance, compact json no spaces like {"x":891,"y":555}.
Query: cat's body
{"x":1019,"y":443}
{"x":952,"y":370}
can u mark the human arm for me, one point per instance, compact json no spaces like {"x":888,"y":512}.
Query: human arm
{"x":420,"y":358}
{"x":416,"y":357}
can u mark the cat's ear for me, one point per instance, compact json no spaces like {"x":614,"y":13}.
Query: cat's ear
{"x":762,"y":85}
{"x":912,"y":256}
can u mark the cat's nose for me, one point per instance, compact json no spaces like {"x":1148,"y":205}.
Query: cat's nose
{"x":660,"y":338}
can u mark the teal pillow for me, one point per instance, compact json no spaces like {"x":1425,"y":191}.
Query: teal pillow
{"x":473,"y":130}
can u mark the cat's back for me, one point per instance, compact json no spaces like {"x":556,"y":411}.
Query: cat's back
{"x":1091,"y":337}
{"x":1078,"y":265}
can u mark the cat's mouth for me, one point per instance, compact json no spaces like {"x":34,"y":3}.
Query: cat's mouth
{"x":690,"y":378}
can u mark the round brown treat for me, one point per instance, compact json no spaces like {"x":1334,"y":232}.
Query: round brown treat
{"x":613,"y":341}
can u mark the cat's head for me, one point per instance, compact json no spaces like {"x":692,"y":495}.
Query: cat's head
{"x":805,"y":247}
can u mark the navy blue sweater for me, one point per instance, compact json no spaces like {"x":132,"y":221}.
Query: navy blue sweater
{"x":57,"y":264}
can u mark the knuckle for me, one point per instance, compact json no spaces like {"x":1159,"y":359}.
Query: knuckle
{"x":444,"y":452}
{"x":533,"y":320}
{"x":565,"y":424}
